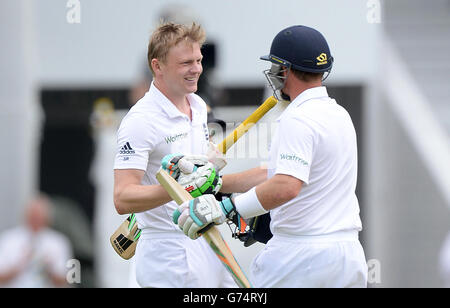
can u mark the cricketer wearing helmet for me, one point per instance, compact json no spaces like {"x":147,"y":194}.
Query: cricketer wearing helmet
{"x":311,"y":178}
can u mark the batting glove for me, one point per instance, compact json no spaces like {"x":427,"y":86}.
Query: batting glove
{"x":194,"y":172}
{"x":194,"y":216}
{"x":175,"y":164}
{"x":203,"y":181}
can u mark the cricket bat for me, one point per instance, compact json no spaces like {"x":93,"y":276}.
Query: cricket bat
{"x":248,"y":123}
{"x":125,"y":238}
{"x":212,"y":235}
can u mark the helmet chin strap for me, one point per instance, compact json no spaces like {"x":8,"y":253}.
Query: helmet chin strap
{"x":284,"y":96}
{"x":325,"y":75}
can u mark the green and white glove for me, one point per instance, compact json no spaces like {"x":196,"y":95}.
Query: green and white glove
{"x":195,"y":215}
{"x":194,"y":172}
{"x":204,"y":180}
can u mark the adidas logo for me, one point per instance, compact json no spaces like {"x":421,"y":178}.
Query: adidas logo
{"x":126,"y":149}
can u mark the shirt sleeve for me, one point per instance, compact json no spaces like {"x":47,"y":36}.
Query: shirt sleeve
{"x":295,"y":149}
{"x":136,"y":139}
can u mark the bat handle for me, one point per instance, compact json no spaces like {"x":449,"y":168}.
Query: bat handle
{"x":201,"y":231}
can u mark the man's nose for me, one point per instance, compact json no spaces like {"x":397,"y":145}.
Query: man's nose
{"x":197,"y":68}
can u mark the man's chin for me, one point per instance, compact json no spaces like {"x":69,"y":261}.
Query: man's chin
{"x":192,"y":89}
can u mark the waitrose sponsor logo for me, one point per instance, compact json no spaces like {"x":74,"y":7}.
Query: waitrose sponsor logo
{"x":175,"y":138}
{"x":294,"y":158}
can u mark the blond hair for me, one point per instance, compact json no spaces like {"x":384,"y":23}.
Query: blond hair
{"x":170,"y":34}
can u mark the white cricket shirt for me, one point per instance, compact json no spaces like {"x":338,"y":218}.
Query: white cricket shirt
{"x":153,"y":128}
{"x":316,"y":142}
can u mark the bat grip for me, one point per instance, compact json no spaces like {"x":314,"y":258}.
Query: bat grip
{"x":205,"y":229}
{"x":233,"y":137}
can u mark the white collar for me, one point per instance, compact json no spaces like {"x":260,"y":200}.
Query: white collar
{"x":169,"y":108}
{"x":312,"y":93}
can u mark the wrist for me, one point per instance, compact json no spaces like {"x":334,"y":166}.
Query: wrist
{"x":229,"y":210}
{"x":227,"y":207}
{"x":248,"y":205}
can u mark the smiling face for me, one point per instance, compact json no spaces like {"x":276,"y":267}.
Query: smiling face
{"x":178,"y":74}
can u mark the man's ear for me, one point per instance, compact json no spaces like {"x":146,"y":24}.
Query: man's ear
{"x":156,"y":65}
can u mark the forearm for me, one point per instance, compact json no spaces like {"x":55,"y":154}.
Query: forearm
{"x":276,"y":192}
{"x":243,"y":181}
{"x":267,"y":196}
{"x":135,"y":198}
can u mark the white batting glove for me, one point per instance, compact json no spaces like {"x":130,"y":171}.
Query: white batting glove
{"x":204,"y":180}
{"x":196,"y":214}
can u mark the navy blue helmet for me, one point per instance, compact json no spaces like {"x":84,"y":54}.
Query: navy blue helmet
{"x":302,"y":48}
{"x":298,"y":47}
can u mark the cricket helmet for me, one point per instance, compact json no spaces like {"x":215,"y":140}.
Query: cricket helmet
{"x":298,"y":47}
{"x":302,"y":48}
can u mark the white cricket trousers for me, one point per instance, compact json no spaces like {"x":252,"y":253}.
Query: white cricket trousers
{"x":326,"y":261}
{"x":173,"y":260}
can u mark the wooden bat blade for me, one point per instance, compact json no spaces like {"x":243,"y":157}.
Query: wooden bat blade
{"x":212,"y":235}
{"x":175,"y":190}
{"x":124,"y":239}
